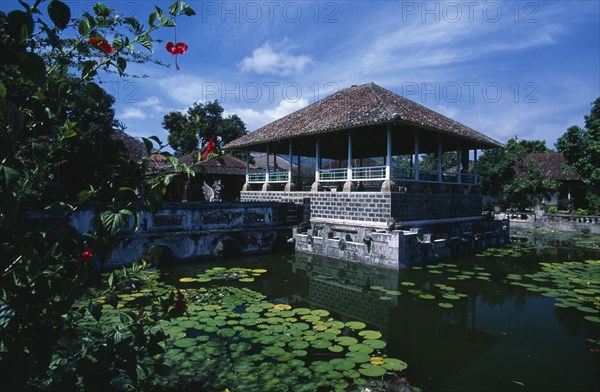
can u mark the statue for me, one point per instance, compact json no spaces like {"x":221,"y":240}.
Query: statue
{"x":214,"y":193}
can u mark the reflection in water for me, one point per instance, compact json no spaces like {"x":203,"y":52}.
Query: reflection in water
{"x":495,"y":337}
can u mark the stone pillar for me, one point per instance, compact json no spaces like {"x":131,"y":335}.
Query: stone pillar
{"x":388,"y":184}
{"x":439,"y":163}
{"x":266,"y":186}
{"x":246,"y":186}
{"x":290,"y":186}
{"x":416,"y":164}
{"x":316,"y":186}
{"x":348,"y":185}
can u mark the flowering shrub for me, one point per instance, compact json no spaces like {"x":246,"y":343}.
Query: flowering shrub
{"x":46,"y":70}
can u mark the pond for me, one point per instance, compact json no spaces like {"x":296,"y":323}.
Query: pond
{"x":510,"y":320}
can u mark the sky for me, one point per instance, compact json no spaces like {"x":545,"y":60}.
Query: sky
{"x":504,"y":68}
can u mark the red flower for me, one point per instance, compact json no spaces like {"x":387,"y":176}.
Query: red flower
{"x":180,"y":304}
{"x":210,"y":147}
{"x":101,"y":43}
{"x":86,"y":255}
{"x":175,"y":49}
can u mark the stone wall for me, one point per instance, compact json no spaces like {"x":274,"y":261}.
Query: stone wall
{"x":431,"y":206}
{"x":552,"y":222}
{"x":375,"y":208}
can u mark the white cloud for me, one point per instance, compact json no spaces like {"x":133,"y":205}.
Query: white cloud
{"x":255,"y":119}
{"x":151,"y":107}
{"x":266,"y":60}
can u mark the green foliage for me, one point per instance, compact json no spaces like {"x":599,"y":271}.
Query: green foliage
{"x":53,"y":120}
{"x":515,"y":181}
{"x":201,"y":122}
{"x":581,"y":149}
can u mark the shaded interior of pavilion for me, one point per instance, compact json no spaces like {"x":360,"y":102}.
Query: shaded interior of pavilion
{"x":387,"y":157}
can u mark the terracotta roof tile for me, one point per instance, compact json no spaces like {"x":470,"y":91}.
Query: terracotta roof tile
{"x":354,"y":107}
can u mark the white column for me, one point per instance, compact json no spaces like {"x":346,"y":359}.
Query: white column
{"x":349,"y":166}
{"x":439,"y":163}
{"x":267,"y":166}
{"x":388,"y":156}
{"x":317,"y":159}
{"x":290,"y":160}
{"x":416,"y":164}
{"x":475,"y":177}
{"x":247,"y":166}
{"x":459,"y":166}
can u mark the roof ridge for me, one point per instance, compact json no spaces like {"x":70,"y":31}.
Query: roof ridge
{"x":387,"y":106}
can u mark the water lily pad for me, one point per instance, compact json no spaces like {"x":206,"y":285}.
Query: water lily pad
{"x":346,"y":340}
{"x":375,"y":343}
{"x":342,"y":364}
{"x":185,"y":342}
{"x":385,"y":298}
{"x":282,"y":307}
{"x":451,"y":296}
{"x":355,"y":325}
{"x":246,"y":280}
{"x":258,"y":271}
{"x":320,"y":312}
{"x":445,"y":305}
{"x":427,"y":296}
{"x":368,"y":334}
{"x":320,"y":344}
{"x":371,"y":370}
{"x":408,"y":284}
{"x":335,"y":348}
{"x":593,"y":319}
{"x":358,"y":357}
{"x":203,"y":279}
{"x":394,"y":364}
{"x":393,"y":292}
{"x":187,"y":280}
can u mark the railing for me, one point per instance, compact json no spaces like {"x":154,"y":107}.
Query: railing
{"x":428,"y":175}
{"x":333,"y":175}
{"x":403,"y":173}
{"x":279,"y":177}
{"x":368,"y":173}
{"x":257,"y":177}
{"x":449,"y":177}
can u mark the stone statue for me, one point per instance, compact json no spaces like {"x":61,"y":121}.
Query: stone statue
{"x":214,"y":193}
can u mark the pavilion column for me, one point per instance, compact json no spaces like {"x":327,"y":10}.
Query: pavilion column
{"x":299,"y":178}
{"x":290,"y":186}
{"x":348,"y":185}
{"x":416,"y":159}
{"x":388,"y":184}
{"x":247,"y":185}
{"x":316,"y":186}
{"x":465,"y":160}
{"x":475,"y":177}
{"x":439,"y":162}
{"x":458,"y":166}
{"x":266,"y":186}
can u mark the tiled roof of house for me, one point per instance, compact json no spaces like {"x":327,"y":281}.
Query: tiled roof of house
{"x":260,"y":162}
{"x":354,"y":107}
{"x":552,"y":165}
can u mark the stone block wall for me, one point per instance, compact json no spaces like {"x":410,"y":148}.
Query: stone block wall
{"x":429,"y":206}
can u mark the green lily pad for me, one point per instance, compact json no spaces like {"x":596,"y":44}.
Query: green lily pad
{"x":445,"y":305}
{"x":370,"y":370}
{"x":335,"y":348}
{"x":408,"y":284}
{"x":593,"y":319}
{"x":185,"y":342}
{"x":375,"y":343}
{"x":426,"y":296}
{"x":368,"y":334}
{"x":394,"y":364}
{"x":355,"y":325}
{"x":346,"y":340}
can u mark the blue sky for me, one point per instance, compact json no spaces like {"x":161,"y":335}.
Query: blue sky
{"x":504,"y":68}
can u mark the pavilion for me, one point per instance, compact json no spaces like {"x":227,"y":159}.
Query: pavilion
{"x":362,"y":122}
{"x":394,"y":182}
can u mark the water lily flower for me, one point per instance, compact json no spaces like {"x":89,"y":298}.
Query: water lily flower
{"x":210,"y":147}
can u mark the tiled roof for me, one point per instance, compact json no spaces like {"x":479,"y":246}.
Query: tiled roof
{"x":260,"y":162}
{"x":354,"y":107}
{"x":552,"y":165}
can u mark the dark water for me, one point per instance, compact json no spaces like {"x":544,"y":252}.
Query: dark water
{"x":496,"y":337}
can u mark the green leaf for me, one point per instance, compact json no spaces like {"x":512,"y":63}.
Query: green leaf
{"x":173,"y":8}
{"x":168,"y":23}
{"x":188,"y":11}
{"x":146,"y":42}
{"x":149,"y":146}
{"x":20,"y":25}
{"x":102,"y":10}
{"x":60,"y":13}
{"x":95,"y":310}
{"x":33,"y":67}
{"x":8,"y":178}
{"x":89,"y":69}
{"x":94,"y":91}
{"x":160,"y":15}
{"x":2,"y":90}
{"x":152,"y":19}
{"x":121,"y":65}
{"x":111,"y":278}
{"x":113,"y":221}
{"x":84,"y":27}
{"x":12,"y":115}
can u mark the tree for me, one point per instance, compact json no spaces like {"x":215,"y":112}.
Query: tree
{"x":49,"y":105}
{"x":581,"y":149}
{"x":199,"y":124}
{"x":506,"y":174}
